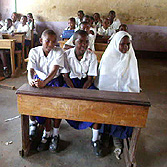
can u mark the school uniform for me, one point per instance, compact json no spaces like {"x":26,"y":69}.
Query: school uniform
{"x":118,"y":72}
{"x":105,"y":32}
{"x":16,"y":24}
{"x":115,"y":25}
{"x":43,"y":66}
{"x":97,"y":25}
{"x":4,"y":29}
{"x":77,"y":22}
{"x":91,"y":42}
{"x":26,"y":29}
{"x":78,"y":73}
{"x":2,"y":23}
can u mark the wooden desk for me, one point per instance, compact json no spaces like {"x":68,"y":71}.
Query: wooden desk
{"x":20,"y":38}
{"x":9,"y":44}
{"x":126,"y":109}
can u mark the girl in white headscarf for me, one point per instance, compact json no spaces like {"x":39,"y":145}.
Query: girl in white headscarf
{"x":118,"y":71}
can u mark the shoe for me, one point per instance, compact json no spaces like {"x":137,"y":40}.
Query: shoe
{"x":44,"y":144}
{"x":97,"y":148}
{"x":54,"y":144}
{"x":6,"y":73}
{"x":32,"y":131}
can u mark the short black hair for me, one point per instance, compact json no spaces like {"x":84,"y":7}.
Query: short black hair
{"x":79,"y":32}
{"x":97,"y":14}
{"x":112,"y":12}
{"x":48,"y":32}
{"x":81,"y":11}
{"x":30,"y":14}
{"x":8,"y":19}
{"x":72,"y":19}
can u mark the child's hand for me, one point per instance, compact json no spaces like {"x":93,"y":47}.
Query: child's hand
{"x":39,"y":83}
{"x":32,"y":83}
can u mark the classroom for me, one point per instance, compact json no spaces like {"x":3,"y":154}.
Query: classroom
{"x":51,"y":54}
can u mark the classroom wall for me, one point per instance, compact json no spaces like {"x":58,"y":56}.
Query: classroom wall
{"x":146,"y":19}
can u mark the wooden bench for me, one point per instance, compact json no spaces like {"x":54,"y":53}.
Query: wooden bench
{"x":9,"y":44}
{"x":100,"y":46}
{"x":126,"y":109}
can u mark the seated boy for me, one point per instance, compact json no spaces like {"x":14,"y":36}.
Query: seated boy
{"x":97,"y":20}
{"x":46,"y":62}
{"x":15,"y":21}
{"x":23,"y":27}
{"x":82,"y":67}
{"x":78,"y":19}
{"x":86,"y":27}
{"x":105,"y":30}
{"x":8,"y":27}
{"x":114,"y":22}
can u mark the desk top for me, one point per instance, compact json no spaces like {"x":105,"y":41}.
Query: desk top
{"x":86,"y":94}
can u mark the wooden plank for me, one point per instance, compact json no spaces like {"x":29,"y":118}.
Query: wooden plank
{"x":100,"y":46}
{"x":86,"y":94}
{"x":6,"y":43}
{"x":17,"y":37}
{"x":83,"y":110}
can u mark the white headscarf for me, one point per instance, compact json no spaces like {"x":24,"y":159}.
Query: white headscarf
{"x":118,"y":71}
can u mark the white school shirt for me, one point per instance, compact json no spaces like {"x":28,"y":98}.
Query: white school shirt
{"x":31,"y":26}
{"x":77,"y":21}
{"x":105,"y":32}
{"x":16,"y":24}
{"x":26,"y":29}
{"x":91,"y":42}
{"x":115,"y":25}
{"x":1,"y":35}
{"x":44,"y":65}
{"x":2,"y":23}
{"x":87,"y":66}
{"x":5,"y":30}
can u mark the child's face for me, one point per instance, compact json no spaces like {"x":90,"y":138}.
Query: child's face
{"x":29,"y":17}
{"x":80,"y":15}
{"x":106,"y":23}
{"x":23,"y":20}
{"x":48,"y":42}
{"x":123,"y":28}
{"x":86,"y":19}
{"x":124,"y":44}
{"x":14,"y":17}
{"x":9,"y":23}
{"x":71,"y":24}
{"x":81,"y":44}
{"x":111,"y":16}
{"x":96,"y":17}
{"x":85,"y":27}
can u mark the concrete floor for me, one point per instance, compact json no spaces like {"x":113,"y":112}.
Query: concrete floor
{"x":152,"y":145}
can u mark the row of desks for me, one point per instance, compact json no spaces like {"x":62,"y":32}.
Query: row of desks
{"x":8,"y":42}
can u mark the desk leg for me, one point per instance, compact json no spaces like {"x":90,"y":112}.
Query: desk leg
{"x":130,"y":148}
{"x":25,"y":136}
{"x":12,"y":58}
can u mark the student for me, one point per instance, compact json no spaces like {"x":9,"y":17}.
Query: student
{"x":2,"y":23}
{"x":71,"y":24}
{"x":97,"y":20}
{"x":105,"y":30}
{"x":92,"y":27}
{"x":15,"y":21}
{"x":32,"y":24}
{"x":82,"y":67}
{"x":122,"y":27}
{"x":78,"y":19}
{"x":23,"y":27}
{"x":8,"y":27}
{"x":86,"y":27}
{"x":46,"y":62}
{"x":114,"y":22}
{"x":118,"y":71}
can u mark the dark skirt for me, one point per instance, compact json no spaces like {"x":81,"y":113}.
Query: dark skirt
{"x":121,"y":132}
{"x":79,"y":124}
{"x":56,"y":82}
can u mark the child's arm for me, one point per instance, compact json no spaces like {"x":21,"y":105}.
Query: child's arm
{"x":68,"y":80}
{"x":41,"y":84}
{"x":88,"y":83}
{"x":31,"y":81}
